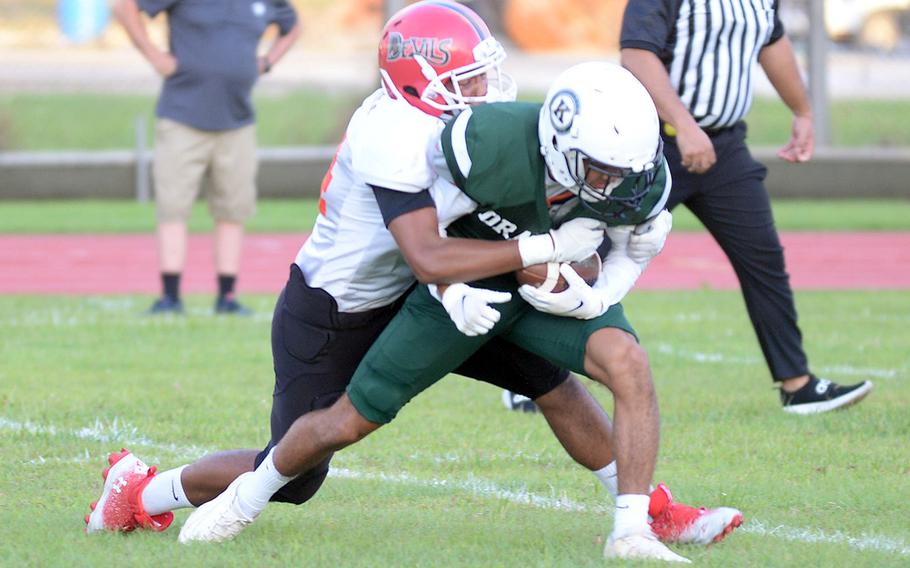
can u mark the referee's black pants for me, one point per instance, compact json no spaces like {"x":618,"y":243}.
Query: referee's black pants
{"x":731,"y":201}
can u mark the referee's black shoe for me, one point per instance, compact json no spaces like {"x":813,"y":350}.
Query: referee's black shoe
{"x":822,"y":395}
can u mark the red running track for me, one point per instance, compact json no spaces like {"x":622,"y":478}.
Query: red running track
{"x":105,"y":264}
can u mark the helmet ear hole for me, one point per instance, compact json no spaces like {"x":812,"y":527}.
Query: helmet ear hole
{"x":411,"y":91}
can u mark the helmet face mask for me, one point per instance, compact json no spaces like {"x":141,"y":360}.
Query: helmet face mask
{"x":429,"y":50}
{"x":626,"y":201}
{"x":600,"y":138}
{"x":596,"y":181}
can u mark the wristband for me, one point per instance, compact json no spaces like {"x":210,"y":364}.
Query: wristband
{"x":536,"y":249}
{"x":434,"y":291}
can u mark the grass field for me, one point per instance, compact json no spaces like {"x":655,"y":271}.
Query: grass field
{"x":99,"y":121}
{"x":456,"y":480}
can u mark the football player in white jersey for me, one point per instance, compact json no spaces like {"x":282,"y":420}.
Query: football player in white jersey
{"x":352,"y":274}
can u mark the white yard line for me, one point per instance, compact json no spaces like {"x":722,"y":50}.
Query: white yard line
{"x":720,"y":358}
{"x":121,"y":433}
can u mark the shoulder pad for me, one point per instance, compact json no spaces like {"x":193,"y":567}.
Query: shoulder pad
{"x":392,"y":144}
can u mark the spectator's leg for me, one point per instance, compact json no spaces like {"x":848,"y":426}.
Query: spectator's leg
{"x":172,"y":244}
{"x":228,"y":246}
{"x":231,"y":202}
{"x":181,"y":157}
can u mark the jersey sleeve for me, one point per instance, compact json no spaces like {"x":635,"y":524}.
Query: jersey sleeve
{"x":493,"y":154}
{"x":153,"y":7}
{"x":647,"y":24}
{"x":394,"y":204}
{"x":391,"y":145}
{"x":284,"y":15}
{"x":778,"y":31}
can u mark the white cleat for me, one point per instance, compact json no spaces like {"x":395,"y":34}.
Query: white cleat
{"x":641,"y":546}
{"x":218,"y":520}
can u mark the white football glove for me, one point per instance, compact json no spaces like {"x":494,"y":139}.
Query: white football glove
{"x":619,"y":272}
{"x":578,"y":300}
{"x":469,"y":308}
{"x":648,"y":238}
{"x":573,"y":240}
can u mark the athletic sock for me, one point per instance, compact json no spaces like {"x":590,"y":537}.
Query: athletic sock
{"x":226,"y":285}
{"x":165,"y":493}
{"x":631,"y":515}
{"x":170,"y":283}
{"x":254,"y":493}
{"x":607,"y":476}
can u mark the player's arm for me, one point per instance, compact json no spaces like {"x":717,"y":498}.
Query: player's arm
{"x":412,"y":220}
{"x":633,"y":247}
{"x":130,"y":17}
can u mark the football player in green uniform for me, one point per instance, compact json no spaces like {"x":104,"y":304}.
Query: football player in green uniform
{"x":592,"y":149}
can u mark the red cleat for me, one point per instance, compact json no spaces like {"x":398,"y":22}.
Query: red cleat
{"x":682,"y":524}
{"x":120,"y":506}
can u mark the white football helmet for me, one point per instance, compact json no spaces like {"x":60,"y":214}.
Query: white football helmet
{"x":598,"y":128}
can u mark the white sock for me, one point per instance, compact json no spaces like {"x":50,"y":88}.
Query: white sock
{"x":607,"y":476}
{"x":631,"y":515}
{"x":165,"y":493}
{"x":254,"y":493}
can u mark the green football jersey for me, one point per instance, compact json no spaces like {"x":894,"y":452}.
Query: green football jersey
{"x":493,"y":154}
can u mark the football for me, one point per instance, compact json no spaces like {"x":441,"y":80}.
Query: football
{"x":547,"y":278}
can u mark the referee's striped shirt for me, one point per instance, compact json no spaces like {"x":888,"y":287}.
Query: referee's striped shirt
{"x":710,"y":48}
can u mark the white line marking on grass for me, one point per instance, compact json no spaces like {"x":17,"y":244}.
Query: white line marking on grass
{"x":478,"y":487}
{"x":871,"y":542}
{"x":720,"y":358}
{"x":484,"y":488}
{"x":114,"y":432}
{"x":84,"y":458}
{"x":128,"y":435}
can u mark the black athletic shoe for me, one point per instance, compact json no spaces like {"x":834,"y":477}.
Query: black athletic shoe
{"x":166,"y":305}
{"x":230,"y":306}
{"x":518,"y":402}
{"x":821,"y":395}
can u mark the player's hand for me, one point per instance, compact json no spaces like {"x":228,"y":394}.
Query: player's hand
{"x":164,"y":63}
{"x":648,"y":238}
{"x":469,"y":308}
{"x":576,"y":239}
{"x":802,"y":141}
{"x":578,"y":300}
{"x":696,"y":149}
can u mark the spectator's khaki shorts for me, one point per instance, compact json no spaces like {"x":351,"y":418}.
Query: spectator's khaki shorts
{"x":183,"y":155}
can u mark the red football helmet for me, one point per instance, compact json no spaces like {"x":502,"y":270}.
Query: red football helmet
{"x":429,"y":47}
